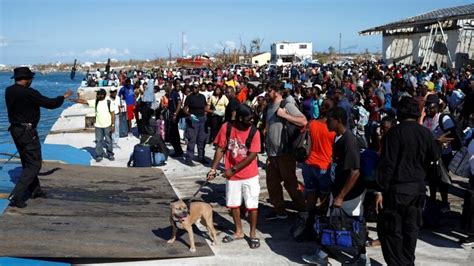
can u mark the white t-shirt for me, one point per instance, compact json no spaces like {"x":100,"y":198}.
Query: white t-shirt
{"x":114,"y":105}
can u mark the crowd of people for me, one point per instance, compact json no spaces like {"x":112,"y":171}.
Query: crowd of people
{"x":381,"y":134}
{"x":350,"y":111}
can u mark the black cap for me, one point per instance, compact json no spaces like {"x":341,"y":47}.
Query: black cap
{"x":432,"y":98}
{"x":408,"y":108}
{"x":23,"y":72}
{"x":101,"y":92}
{"x":243,"y":110}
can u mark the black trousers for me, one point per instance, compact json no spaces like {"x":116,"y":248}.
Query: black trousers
{"x":215,"y":123}
{"x":173,"y":136}
{"x":398,"y":227}
{"x":196,"y":134}
{"x":28,"y":145}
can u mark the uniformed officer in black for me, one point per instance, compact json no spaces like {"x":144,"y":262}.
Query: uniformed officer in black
{"x":23,"y":106}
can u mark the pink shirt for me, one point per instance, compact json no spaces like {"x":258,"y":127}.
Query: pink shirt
{"x":237,"y":151}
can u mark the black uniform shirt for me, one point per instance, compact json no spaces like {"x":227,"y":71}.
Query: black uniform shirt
{"x":23,"y":104}
{"x":407,"y":150}
{"x":196,"y":103}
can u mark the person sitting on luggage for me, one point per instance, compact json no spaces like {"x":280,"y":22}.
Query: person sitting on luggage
{"x":104,"y":124}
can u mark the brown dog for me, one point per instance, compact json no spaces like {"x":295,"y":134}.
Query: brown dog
{"x":183,"y":218}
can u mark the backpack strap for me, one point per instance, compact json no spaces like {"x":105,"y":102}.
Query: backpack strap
{"x":146,"y":141}
{"x":97,"y":102}
{"x":249,"y":139}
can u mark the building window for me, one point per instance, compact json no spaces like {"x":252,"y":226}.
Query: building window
{"x":303,"y":46}
{"x":282,"y":46}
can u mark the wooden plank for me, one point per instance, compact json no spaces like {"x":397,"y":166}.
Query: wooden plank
{"x":96,"y":212}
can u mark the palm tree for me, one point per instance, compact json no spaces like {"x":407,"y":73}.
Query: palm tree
{"x":255,"y":45}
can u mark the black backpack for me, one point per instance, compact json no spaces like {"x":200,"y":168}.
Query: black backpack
{"x":249,"y":139}
{"x":302,"y":144}
{"x":142,"y":155}
{"x":290,"y":135}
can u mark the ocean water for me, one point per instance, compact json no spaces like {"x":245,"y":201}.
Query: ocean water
{"x":51,"y":85}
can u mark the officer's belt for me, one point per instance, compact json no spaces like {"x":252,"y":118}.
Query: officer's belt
{"x":25,"y":125}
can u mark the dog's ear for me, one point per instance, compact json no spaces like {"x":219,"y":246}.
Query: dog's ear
{"x":174,"y":201}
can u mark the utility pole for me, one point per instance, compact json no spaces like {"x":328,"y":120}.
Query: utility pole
{"x":170,"y":47}
{"x":183,"y":44}
{"x":340,"y":40}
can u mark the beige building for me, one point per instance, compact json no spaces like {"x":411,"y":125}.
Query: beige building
{"x":261,"y":58}
{"x":442,"y":36}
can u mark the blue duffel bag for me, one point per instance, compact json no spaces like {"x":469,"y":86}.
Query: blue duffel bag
{"x":341,"y":234}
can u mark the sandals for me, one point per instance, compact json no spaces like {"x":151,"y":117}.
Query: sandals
{"x":230,"y":238}
{"x":254,"y":243}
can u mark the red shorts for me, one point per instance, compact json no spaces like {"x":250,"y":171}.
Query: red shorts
{"x":130,"y":112}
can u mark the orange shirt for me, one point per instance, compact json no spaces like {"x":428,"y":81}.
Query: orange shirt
{"x":321,"y":148}
{"x":242,"y":96}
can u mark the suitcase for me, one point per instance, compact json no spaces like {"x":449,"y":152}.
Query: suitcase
{"x":141,"y":156}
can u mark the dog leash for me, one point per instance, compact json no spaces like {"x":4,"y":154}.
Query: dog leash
{"x":195,"y":193}
{"x":9,"y":159}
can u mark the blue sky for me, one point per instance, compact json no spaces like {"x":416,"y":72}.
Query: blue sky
{"x":43,"y":31}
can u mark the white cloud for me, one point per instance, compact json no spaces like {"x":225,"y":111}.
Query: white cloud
{"x":228,"y":44}
{"x":105,"y":52}
{"x":64,"y":54}
{"x":95,"y":53}
{"x":3,"y":41}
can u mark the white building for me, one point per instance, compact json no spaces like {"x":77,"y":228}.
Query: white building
{"x":444,"y":36}
{"x":290,"y":52}
{"x":261,"y":59}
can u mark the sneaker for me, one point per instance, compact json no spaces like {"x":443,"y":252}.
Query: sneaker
{"x":98,"y":159}
{"x":16,"y":202}
{"x":468,"y":243}
{"x":315,"y":259}
{"x":273,"y":215}
{"x":111,"y":158}
{"x":176,"y":155}
{"x":203,"y":161}
{"x":189,"y":162}
{"x":39,"y":194}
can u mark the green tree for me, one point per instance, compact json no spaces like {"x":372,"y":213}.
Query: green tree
{"x":255,"y":45}
{"x":331,"y":50}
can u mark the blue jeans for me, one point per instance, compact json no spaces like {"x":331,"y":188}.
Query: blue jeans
{"x":196,"y":134}
{"x":116,"y":134}
{"x":315,"y":179}
{"x":103,"y":137}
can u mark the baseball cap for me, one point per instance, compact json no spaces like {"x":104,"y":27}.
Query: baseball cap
{"x":243,"y":110}
{"x":101,"y":92}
